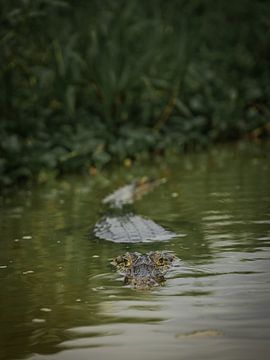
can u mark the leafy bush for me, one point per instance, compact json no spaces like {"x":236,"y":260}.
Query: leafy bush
{"x":88,"y":83}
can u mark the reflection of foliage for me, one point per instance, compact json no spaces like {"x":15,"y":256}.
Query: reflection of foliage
{"x":76,"y":286}
{"x":49,"y":270}
{"x":85,"y":84}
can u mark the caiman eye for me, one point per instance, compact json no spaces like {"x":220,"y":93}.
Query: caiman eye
{"x":118,"y":259}
{"x":159,"y":261}
{"x":127,"y":262}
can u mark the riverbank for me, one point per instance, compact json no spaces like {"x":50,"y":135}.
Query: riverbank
{"x":88,"y":85}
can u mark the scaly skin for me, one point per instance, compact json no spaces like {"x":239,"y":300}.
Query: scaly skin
{"x":143,"y":271}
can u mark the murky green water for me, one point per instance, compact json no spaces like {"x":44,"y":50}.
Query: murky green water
{"x":60,"y":298}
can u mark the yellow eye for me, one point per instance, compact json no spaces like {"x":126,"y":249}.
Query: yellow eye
{"x":127,"y":262}
{"x":159,"y":261}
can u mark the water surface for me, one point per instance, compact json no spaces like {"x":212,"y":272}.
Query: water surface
{"x":61,"y":299}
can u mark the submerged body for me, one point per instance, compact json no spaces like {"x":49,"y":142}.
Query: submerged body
{"x":144,"y":271}
{"x":131,"y":228}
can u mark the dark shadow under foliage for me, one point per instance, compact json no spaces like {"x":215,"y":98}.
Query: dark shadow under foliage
{"x":85,"y":83}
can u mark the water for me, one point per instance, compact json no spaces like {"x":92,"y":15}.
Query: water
{"x":61,"y":299}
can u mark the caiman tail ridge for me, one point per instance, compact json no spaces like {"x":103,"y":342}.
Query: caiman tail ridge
{"x":128,"y":194}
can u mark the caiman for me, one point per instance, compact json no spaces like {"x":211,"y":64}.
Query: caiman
{"x":140,"y":270}
{"x":144,"y":270}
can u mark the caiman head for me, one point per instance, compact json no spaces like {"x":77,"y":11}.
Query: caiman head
{"x":144,"y":271}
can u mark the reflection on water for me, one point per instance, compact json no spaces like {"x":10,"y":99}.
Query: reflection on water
{"x":61,"y":299}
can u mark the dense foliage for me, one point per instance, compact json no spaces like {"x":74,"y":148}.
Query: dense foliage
{"x":84,"y":83}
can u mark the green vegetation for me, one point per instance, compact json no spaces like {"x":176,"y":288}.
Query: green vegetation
{"x":85,"y":83}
